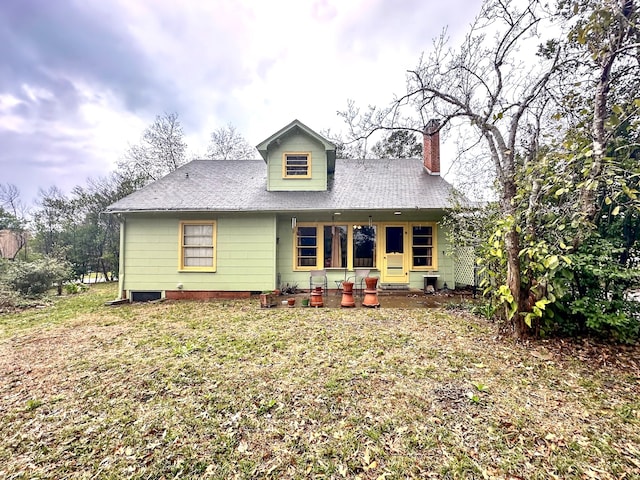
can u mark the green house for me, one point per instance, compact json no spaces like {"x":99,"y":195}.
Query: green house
{"x":215,"y":228}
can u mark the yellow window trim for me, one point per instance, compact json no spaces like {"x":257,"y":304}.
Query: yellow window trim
{"x":284,"y":165}
{"x":434,"y":246}
{"x":181,"y":266}
{"x":320,"y":245}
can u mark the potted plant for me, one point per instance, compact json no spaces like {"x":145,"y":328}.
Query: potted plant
{"x":291,"y":301}
{"x":288,"y":289}
{"x":267,"y":299}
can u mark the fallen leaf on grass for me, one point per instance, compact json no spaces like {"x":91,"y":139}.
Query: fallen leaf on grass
{"x":243,"y":447}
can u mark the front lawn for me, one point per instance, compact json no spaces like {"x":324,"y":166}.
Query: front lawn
{"x":228,"y":390}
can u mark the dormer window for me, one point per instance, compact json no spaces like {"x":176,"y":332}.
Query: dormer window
{"x":296,"y":165}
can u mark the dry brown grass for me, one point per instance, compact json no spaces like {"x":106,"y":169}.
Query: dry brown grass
{"x":227,"y":390}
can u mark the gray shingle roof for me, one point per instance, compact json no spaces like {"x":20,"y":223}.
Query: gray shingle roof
{"x":240,"y":185}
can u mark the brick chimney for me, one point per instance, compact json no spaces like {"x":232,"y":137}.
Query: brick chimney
{"x":431,"y":150}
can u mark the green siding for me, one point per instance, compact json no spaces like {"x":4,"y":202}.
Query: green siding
{"x":253,"y":252}
{"x":297,"y":143}
{"x":445,"y":265}
{"x":245,"y":254}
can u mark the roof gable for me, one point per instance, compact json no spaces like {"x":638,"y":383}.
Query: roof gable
{"x":297,"y":127}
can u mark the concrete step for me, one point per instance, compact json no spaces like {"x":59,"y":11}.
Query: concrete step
{"x":402,"y":287}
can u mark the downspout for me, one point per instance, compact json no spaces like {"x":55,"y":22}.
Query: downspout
{"x":122,"y":293}
{"x":276,"y":249}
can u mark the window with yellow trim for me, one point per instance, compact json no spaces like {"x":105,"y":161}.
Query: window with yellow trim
{"x":422,"y":246}
{"x":335,"y":246}
{"x":306,"y":247}
{"x":327,"y":245}
{"x":364,"y":246}
{"x":296,"y":165}
{"x":197,"y":246}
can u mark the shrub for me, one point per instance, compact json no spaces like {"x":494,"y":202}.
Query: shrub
{"x":35,"y":278}
{"x":617,"y":319}
{"x":484,"y":310}
{"x":8,"y":298}
{"x":596,"y":302}
{"x":72,"y":288}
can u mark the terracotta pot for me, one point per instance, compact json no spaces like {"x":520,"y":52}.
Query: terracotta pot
{"x":371,"y":293}
{"x":291,"y":301}
{"x":316,"y":298}
{"x":347,"y":295}
{"x":371,"y":282}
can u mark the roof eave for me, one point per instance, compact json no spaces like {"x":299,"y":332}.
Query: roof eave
{"x":280,"y":210}
{"x":263,"y":147}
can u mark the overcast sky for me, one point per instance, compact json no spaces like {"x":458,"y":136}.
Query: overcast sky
{"x":80,"y":80}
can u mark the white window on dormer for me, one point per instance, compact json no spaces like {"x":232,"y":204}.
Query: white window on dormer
{"x":296,"y":165}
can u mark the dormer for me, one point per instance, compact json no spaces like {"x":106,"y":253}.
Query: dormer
{"x":297,"y":159}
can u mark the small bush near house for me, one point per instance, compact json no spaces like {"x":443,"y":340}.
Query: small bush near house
{"x":595,"y":302}
{"x":485,"y":310}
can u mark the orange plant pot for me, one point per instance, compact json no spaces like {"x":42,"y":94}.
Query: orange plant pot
{"x":316,"y":299}
{"x":347,"y":295}
{"x":371,"y":293}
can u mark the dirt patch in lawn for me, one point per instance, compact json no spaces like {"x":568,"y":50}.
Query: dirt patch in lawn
{"x":38,"y":362}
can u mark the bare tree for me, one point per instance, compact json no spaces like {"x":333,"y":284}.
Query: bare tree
{"x":227,"y":144}
{"x":345,"y":148}
{"x":486,"y":84}
{"x":10,"y":199}
{"x":161,"y":150}
{"x":13,"y":214}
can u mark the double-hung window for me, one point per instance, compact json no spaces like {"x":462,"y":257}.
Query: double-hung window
{"x":197,"y":246}
{"x":422,"y":246}
{"x":296,"y":165}
{"x":307,"y":247}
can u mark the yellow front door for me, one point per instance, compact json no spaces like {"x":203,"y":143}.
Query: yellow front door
{"x":394,"y":262}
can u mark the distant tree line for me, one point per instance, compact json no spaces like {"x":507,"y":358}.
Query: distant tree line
{"x":70,"y":236}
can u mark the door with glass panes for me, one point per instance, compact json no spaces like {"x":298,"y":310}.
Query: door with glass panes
{"x":394,"y":261}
